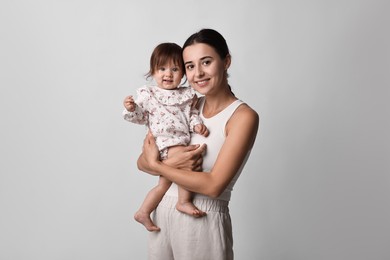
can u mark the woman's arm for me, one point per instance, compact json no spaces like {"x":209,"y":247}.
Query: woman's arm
{"x":181,"y":157}
{"x":241,"y":131}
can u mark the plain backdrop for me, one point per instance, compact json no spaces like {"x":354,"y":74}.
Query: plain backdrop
{"x":317,"y":185}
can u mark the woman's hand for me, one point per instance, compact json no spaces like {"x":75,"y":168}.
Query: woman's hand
{"x":180,"y":157}
{"x":186,"y":157}
{"x":149,"y":159}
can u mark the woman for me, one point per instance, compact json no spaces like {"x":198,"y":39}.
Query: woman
{"x":232,"y":128}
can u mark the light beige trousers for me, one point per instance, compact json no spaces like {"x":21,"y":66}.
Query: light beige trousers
{"x":183,"y":237}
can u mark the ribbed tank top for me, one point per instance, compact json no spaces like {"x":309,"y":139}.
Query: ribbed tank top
{"x":214,"y":142}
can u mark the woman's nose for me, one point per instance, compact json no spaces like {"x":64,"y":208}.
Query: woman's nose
{"x":199,"y":72}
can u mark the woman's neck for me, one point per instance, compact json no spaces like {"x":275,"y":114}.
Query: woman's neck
{"x":216,"y":103}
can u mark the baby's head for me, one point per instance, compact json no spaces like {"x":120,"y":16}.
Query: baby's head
{"x":166,"y":65}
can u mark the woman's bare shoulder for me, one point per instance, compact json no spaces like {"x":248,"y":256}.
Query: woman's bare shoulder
{"x":244,"y":121}
{"x":245,"y":112}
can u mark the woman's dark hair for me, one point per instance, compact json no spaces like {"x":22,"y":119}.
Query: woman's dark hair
{"x":212,"y":38}
{"x":163,"y":53}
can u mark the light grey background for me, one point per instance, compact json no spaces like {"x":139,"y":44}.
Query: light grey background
{"x":317,"y":185}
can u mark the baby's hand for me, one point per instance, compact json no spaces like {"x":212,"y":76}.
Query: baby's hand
{"x":129,"y":103}
{"x":201,"y":129}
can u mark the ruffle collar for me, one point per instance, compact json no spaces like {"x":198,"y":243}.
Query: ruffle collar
{"x":173,"y":97}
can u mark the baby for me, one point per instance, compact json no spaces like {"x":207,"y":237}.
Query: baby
{"x":168,"y":109}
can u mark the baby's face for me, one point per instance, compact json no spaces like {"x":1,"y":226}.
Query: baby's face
{"x":168,"y":76}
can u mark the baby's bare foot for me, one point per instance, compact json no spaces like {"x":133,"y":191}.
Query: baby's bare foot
{"x":190,"y":209}
{"x":144,"y":219}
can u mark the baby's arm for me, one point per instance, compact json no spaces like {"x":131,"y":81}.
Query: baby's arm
{"x":129,"y":103}
{"x":196,"y":123}
{"x":133,"y":112}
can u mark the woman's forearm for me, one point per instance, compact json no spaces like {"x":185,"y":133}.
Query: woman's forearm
{"x":195,"y":181}
{"x":199,"y":182}
{"x":181,"y":157}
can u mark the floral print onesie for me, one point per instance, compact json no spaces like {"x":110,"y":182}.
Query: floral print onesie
{"x":169,"y":114}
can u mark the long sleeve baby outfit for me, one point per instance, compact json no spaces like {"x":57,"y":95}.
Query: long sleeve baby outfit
{"x":169,"y":114}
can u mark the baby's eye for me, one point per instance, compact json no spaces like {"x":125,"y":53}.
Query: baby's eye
{"x":161,"y":69}
{"x":175,"y":69}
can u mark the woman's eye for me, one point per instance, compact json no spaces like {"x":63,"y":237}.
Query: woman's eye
{"x":206,"y":62}
{"x":189,"y":67}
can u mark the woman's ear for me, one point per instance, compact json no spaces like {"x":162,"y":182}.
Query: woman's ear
{"x":227,"y":61}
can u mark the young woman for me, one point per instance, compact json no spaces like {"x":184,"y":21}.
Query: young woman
{"x":232,"y":126}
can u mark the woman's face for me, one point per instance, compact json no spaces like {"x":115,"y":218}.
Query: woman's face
{"x":205,"y":70}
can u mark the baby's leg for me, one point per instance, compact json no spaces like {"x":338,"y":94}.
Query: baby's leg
{"x":185,"y":205}
{"x":151,"y":201}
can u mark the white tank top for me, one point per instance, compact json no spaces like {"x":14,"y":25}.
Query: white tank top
{"x":214,"y":141}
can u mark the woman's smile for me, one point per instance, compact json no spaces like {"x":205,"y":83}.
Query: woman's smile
{"x":202,"y":83}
